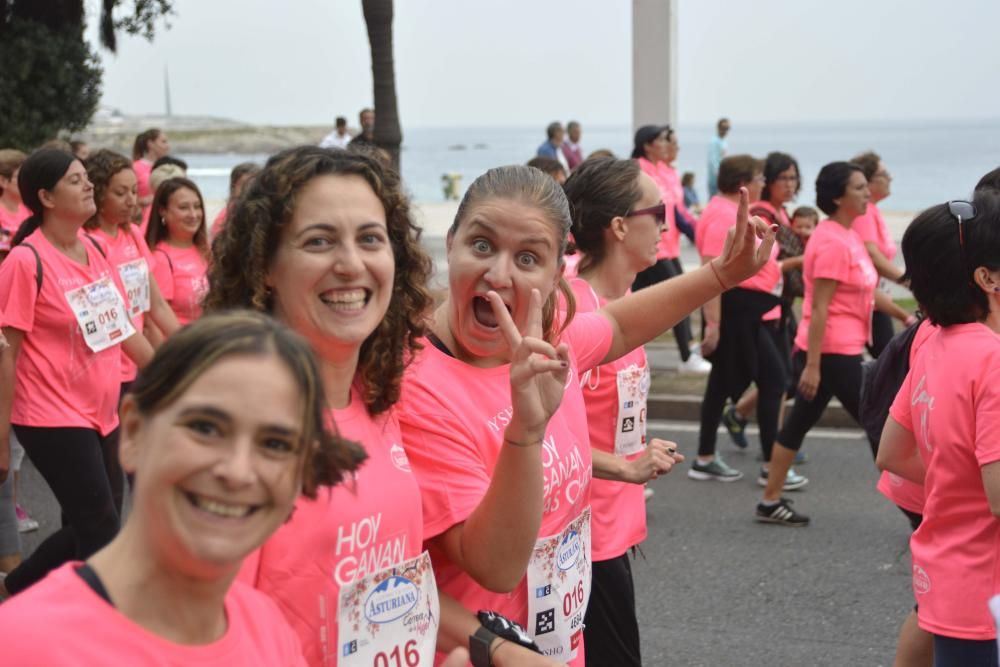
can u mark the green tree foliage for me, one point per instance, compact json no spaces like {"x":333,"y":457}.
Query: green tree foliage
{"x":50,"y":81}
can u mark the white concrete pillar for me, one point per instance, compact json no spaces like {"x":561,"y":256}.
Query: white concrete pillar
{"x":654,"y":62}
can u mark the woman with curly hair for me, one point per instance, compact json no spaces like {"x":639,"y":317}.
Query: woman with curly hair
{"x":323,"y":240}
{"x":179,"y":238}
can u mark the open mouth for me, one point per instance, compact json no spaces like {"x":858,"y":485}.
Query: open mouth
{"x":350,"y":300}
{"x":482,"y":310}
{"x":220,"y":509}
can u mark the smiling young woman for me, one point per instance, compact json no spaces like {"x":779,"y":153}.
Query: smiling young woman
{"x":179,"y":239}
{"x":223,"y":430}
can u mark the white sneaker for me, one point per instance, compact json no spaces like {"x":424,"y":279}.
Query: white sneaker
{"x":648,"y":493}
{"x":695,"y":365}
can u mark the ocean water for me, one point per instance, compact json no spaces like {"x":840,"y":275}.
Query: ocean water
{"x":930,"y":161}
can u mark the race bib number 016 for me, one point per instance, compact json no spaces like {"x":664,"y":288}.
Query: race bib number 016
{"x":559,"y":589}
{"x":101,"y":314}
{"x":135,"y":278}
{"x":390,"y":618}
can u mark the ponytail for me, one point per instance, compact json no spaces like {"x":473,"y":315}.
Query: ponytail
{"x":27,"y":228}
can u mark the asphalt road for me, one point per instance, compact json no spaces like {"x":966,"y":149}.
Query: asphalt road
{"x":716,"y":588}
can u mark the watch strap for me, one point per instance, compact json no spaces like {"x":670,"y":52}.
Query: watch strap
{"x":479,"y":647}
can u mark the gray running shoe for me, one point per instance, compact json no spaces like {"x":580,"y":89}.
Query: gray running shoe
{"x":793,"y":480}
{"x":715,"y":469}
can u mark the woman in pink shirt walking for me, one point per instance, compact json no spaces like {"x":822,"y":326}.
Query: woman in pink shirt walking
{"x":478,"y":444}
{"x":178,"y":236}
{"x":840,"y":295}
{"x":67,"y":322}
{"x":944,"y":427}
{"x":223,"y":430}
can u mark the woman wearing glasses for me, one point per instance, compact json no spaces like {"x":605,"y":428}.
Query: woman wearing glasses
{"x":616,"y":247}
{"x":740,"y":348}
{"x":943,"y":429}
{"x":840,"y":293}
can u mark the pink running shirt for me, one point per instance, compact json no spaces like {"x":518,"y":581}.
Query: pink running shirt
{"x":618,"y":519}
{"x":180,"y":275}
{"x":669,"y":245}
{"x":837,"y":253}
{"x":367,"y":523}
{"x":92,"y":632}
{"x":716,"y":220}
{"x":904,"y":493}
{"x":142,"y":170}
{"x":59,"y":381}
{"x":871,"y":228}
{"x":950,"y":400}
{"x":9,"y":224}
{"x":127,"y":247}
{"x":453,"y":417}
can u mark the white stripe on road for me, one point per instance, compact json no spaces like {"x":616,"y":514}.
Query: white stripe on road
{"x":666,"y":426}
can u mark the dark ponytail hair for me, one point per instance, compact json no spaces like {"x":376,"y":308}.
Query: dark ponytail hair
{"x":142,"y":142}
{"x":41,"y":171}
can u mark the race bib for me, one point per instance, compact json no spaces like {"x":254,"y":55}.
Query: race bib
{"x":630,"y":429}
{"x":135,"y":278}
{"x":559,"y":589}
{"x":390,"y":618}
{"x":100,"y":311}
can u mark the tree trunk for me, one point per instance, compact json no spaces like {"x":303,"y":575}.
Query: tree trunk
{"x":378,"y":19}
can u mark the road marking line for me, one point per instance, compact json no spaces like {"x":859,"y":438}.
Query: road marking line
{"x":817,"y":433}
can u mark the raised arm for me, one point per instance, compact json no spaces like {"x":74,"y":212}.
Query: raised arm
{"x":638,"y":318}
{"x":495,"y":543}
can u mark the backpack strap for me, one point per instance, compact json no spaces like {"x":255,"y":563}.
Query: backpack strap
{"x":97,"y":245}
{"x":38,"y":266}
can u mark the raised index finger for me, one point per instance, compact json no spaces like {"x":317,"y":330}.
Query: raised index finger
{"x":534,"y":327}
{"x":504,"y":320}
{"x":742,"y":219}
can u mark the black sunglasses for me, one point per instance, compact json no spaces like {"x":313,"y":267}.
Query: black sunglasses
{"x":659,"y":212}
{"x":963,"y":211}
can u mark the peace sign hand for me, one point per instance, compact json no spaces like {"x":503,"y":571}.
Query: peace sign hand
{"x":742,"y":257}
{"x":538,"y":372}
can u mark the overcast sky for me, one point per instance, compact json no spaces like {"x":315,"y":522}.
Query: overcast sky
{"x":525,"y":62}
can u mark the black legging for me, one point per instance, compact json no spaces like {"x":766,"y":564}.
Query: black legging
{"x":665,"y":269}
{"x":76,"y":463}
{"x":840,"y":376}
{"x":882,"y":332}
{"x":610,"y":627}
{"x":771,"y":380}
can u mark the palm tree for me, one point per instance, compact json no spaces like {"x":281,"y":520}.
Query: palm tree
{"x":378,"y":19}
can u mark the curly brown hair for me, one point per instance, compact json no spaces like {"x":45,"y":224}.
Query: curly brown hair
{"x":157,"y":231}
{"x":101,"y":168}
{"x":245,"y":249}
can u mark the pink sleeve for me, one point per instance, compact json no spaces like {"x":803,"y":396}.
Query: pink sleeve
{"x":900,"y":410}
{"x":589,"y":337}
{"x":163,"y":275}
{"x":449,"y":468}
{"x":833,"y":262}
{"x":19,"y":289}
{"x":866,"y":226}
{"x":987,"y":410}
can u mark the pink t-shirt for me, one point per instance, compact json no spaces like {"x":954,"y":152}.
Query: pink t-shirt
{"x":837,"y":253}
{"x":128,"y":246}
{"x":669,"y":245}
{"x":9,"y":224}
{"x":62,"y":621}
{"x":618,"y":508}
{"x":716,"y":220}
{"x":143,"y":169}
{"x":453,"y":417}
{"x":363,"y":525}
{"x":59,"y":381}
{"x":904,"y":493}
{"x":180,"y":275}
{"x":950,"y":400}
{"x":872,"y":229}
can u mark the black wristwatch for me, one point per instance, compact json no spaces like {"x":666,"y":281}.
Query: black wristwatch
{"x":494,"y":625}
{"x":479,"y":647}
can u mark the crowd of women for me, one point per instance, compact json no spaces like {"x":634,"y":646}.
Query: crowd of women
{"x":330,"y":467}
